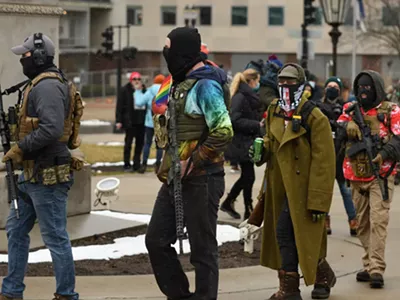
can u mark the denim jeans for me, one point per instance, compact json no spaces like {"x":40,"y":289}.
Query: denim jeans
{"x":201,"y":195}
{"x":347,"y":200}
{"x":49,"y":205}
{"x":149,"y":133}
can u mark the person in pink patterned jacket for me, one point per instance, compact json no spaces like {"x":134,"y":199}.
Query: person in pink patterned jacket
{"x":383,"y":119}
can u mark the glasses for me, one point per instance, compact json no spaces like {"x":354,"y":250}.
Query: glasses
{"x":136,"y":79}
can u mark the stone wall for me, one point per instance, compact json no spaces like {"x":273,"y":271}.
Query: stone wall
{"x":79,"y":198}
{"x":19,"y":19}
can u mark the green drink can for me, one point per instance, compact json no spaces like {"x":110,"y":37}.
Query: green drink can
{"x":258,"y":146}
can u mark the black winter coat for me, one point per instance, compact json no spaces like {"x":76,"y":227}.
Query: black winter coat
{"x":125,"y":112}
{"x":245,"y":117}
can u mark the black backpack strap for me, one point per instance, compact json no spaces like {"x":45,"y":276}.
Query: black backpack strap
{"x":305,"y":113}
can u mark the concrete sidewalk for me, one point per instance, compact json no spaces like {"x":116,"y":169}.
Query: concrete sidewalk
{"x":138,"y":193}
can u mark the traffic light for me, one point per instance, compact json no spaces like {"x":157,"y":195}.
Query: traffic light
{"x":129,"y":53}
{"x":108,"y":43}
{"x":310,"y":12}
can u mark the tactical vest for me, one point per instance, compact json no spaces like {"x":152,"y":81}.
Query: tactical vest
{"x":60,"y":171}
{"x":360,"y":163}
{"x":189,"y":126}
{"x":27,"y":124}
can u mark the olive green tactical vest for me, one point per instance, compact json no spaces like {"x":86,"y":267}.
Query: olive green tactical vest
{"x":191,"y":126}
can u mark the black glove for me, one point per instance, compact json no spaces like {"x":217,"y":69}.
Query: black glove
{"x":317,"y":215}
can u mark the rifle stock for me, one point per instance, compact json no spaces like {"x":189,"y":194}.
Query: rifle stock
{"x":367,"y":145}
{"x":5,"y":141}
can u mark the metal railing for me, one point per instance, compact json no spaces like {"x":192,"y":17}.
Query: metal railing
{"x":103,"y":83}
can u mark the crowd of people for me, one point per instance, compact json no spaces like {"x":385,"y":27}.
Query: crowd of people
{"x":311,"y":137}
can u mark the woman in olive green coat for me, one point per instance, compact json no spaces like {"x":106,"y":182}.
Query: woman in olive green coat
{"x":300,"y":176}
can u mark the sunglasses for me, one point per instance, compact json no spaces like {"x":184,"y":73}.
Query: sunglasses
{"x":136,"y":79}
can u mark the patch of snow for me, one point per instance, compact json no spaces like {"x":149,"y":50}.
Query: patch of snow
{"x":95,"y":122}
{"x":119,"y":164}
{"x":126,"y":245}
{"x":112,"y":144}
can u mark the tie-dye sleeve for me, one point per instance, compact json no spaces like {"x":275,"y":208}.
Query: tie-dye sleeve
{"x":210,"y":99}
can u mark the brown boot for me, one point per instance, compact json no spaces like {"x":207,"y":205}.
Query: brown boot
{"x":353,"y":224}
{"x":325,"y":280}
{"x":59,"y":297}
{"x":328,"y":225}
{"x":3,"y":297}
{"x":288,"y":286}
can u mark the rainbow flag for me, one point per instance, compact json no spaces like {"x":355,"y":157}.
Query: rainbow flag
{"x":162,"y":95}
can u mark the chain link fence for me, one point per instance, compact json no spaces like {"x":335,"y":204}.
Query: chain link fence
{"x":95,"y":84}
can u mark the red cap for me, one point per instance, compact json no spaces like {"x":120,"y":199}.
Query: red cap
{"x":135,"y":75}
{"x":204,"y":48}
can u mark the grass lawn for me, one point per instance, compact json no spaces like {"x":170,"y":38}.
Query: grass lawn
{"x":95,"y":153}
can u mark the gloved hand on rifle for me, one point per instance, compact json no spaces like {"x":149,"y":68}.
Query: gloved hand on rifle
{"x":15,"y":154}
{"x":317,"y":215}
{"x":353,"y":131}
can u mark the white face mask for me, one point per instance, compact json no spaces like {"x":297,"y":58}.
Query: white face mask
{"x":312,"y":83}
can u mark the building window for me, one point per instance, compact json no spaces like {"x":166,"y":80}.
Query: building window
{"x":276,"y":16}
{"x":239,"y":15}
{"x":390,"y":16}
{"x":205,"y":13}
{"x":168,"y":15}
{"x":134,"y":15}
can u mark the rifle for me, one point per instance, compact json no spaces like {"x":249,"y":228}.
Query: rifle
{"x":368,"y":144}
{"x":176,"y":169}
{"x":5,"y":141}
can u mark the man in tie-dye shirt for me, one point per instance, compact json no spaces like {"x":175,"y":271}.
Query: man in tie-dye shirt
{"x":202,"y":117}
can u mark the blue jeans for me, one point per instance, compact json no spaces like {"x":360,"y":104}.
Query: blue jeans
{"x":347,"y":200}
{"x":49,"y":206}
{"x":149,"y":133}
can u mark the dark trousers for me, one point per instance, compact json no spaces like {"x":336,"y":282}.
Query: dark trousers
{"x":245,"y":183}
{"x":136,"y":132}
{"x":146,"y":151}
{"x":286,"y":240}
{"x":201,"y":195}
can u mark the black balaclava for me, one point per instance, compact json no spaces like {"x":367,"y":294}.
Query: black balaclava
{"x":369,"y":102}
{"x":31,"y":70}
{"x":184,"y":52}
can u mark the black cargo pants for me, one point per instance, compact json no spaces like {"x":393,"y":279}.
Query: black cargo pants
{"x":201,"y":195}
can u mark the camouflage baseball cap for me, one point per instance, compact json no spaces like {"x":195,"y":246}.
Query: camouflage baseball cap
{"x":28,"y":45}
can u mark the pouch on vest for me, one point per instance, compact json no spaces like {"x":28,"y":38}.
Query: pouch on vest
{"x":161,"y":130}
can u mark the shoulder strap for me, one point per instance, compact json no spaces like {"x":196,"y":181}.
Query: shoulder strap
{"x":305,"y":113}
{"x":45,"y":75}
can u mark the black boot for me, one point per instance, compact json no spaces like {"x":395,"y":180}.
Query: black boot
{"x":325,"y":280}
{"x":142,"y":169}
{"x":248,"y":209}
{"x":376,"y":281}
{"x":363,"y":276}
{"x":228,"y":207}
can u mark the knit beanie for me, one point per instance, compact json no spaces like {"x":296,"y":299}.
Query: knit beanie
{"x":335,"y":79}
{"x":274,"y":59}
{"x":159,"y":79}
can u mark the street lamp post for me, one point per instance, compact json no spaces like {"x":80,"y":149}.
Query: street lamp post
{"x":335,"y":12}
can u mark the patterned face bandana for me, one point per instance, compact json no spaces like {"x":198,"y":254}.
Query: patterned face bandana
{"x":290,"y":96}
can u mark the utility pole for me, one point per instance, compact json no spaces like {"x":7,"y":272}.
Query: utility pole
{"x":309,"y":18}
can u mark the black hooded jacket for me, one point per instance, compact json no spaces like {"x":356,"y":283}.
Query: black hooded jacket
{"x":245,"y":117}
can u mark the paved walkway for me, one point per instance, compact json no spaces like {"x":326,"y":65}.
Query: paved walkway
{"x":137,"y":194}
